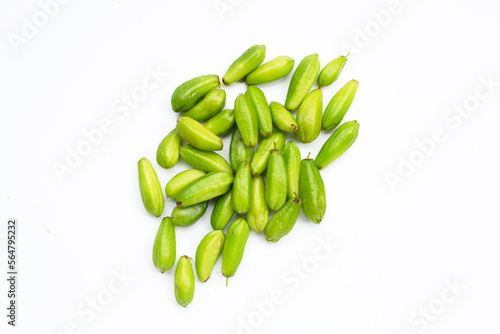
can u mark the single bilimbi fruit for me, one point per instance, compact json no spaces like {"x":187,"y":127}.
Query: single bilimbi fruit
{"x":164,"y":246}
{"x":204,"y":160}
{"x":258,"y":214}
{"x":292,"y":160}
{"x":339,"y":105}
{"x":222,"y":123}
{"x":242,"y":188}
{"x":197,"y":135}
{"x":189,"y":215}
{"x":246,"y":63}
{"x":264,"y":119}
{"x":274,"y":69}
{"x":337,"y":144}
{"x":207,"y":253}
{"x":309,"y":117}
{"x":261,"y":157}
{"x":187,"y":94}
{"x":151,"y":192}
{"x":234,"y":246}
{"x":184,"y":281}
{"x":208,"y":106}
{"x":206,"y":187}
{"x":168,"y":151}
{"x":283,"y":220}
{"x":181,"y":180}
{"x":238,"y":151}
{"x":246,"y":120}
{"x":302,"y":80}
{"x":312,"y":191}
{"x":223,"y":211}
{"x":331,"y":71}
{"x":282,"y":118}
{"x":276,"y":181}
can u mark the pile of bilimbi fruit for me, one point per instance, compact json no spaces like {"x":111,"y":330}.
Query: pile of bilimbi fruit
{"x":290,"y":184}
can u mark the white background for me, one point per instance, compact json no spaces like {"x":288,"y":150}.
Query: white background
{"x":397,"y":247}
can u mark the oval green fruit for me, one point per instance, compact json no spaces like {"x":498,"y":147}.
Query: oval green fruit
{"x":197,"y":135}
{"x":181,"y":180}
{"x":238,"y":151}
{"x":283,"y":220}
{"x":246,"y":120}
{"x":264,"y":119}
{"x":309,"y":117}
{"x":312,"y":191}
{"x":302,"y":80}
{"x":207,"y":253}
{"x":276,"y":181}
{"x":168,"y":151}
{"x":204,"y":160}
{"x":274,"y":69}
{"x":337,"y":144}
{"x":246,"y":63}
{"x":339,"y":105}
{"x":282,"y":118}
{"x":208,"y":106}
{"x":164,"y":246}
{"x":206,"y":187}
{"x":187,"y":94}
{"x":189,"y":215}
{"x":242,"y":188}
{"x":261,"y":157}
{"x":223,"y":211}
{"x":234,"y":246}
{"x":221,"y":123}
{"x":292,"y":160}
{"x":151,"y":193}
{"x":258,"y":214}
{"x":331,"y":71}
{"x":184,"y":281}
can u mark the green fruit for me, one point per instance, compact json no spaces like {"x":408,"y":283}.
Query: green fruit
{"x":337,"y":144}
{"x":184,"y":281}
{"x":282,"y":118}
{"x":309,"y":117}
{"x":181,"y":180}
{"x":258,"y":214}
{"x":276,"y":180}
{"x":223,"y":211}
{"x":246,"y":120}
{"x":204,"y":160}
{"x":189,"y":215}
{"x":312,"y":191}
{"x":206,"y":187}
{"x":272,"y":70}
{"x":198,"y":135}
{"x":246,"y":63}
{"x":339,"y":105}
{"x":167,"y":153}
{"x":292,"y":160}
{"x":302,"y":80}
{"x":264,"y":119}
{"x":242,"y":188}
{"x":234,"y":246}
{"x":207,"y":253}
{"x":283,"y":220}
{"x":187,"y":94}
{"x":151,"y":193}
{"x":221,"y":123}
{"x":208,"y":106}
{"x":331,"y":71}
{"x":238,"y":151}
{"x":261,"y":156}
{"x":164,"y":246}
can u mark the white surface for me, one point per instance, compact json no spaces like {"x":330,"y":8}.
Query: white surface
{"x":396,"y":248}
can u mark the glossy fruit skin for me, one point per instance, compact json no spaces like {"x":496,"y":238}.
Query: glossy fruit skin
{"x":331,"y":71}
{"x":276,"y":181}
{"x":223,"y":211}
{"x":339,"y":105}
{"x":168,"y":151}
{"x":188,"y":93}
{"x":151,"y":192}
{"x":207,"y":253}
{"x":208,"y":106}
{"x":312,"y":191}
{"x":282,"y":118}
{"x":189,"y":215}
{"x":302,"y":80}
{"x":261,"y":156}
{"x":242,"y":189}
{"x":258,"y":214}
{"x":164,"y":246}
{"x":238,"y":151}
{"x":184,"y":281}
{"x":246,"y":120}
{"x":337,"y":144}
{"x":222,"y":123}
{"x":283,"y":220}
{"x":206,"y":187}
{"x":197,"y":135}
{"x":274,"y":69}
{"x":204,"y":160}
{"x":246,"y":63}
{"x":309,"y":117}
{"x":264,"y":119}
{"x":234,"y":246}
{"x":181,"y":180}
{"x":292,"y":160}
